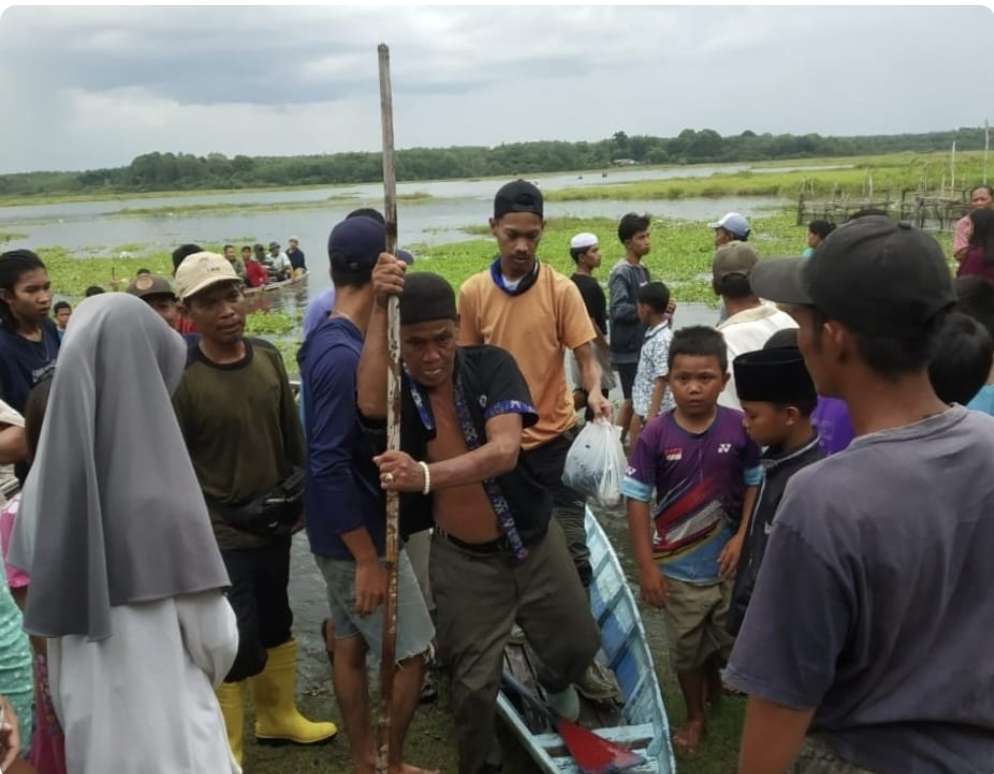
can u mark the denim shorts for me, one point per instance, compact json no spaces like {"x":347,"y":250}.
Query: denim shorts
{"x":415,"y":630}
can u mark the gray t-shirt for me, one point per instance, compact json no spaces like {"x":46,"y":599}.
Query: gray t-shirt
{"x":875,"y":600}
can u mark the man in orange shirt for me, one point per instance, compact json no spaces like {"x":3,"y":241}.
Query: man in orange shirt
{"x":536,"y":313}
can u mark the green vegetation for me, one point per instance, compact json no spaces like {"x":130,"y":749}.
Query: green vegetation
{"x":681,"y":251}
{"x":169,"y":171}
{"x":893,"y":173}
{"x":225,"y":208}
{"x":71,"y":276}
{"x":268,"y":323}
{"x":10,"y":236}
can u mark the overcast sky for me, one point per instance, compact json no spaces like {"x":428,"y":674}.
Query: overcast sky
{"x":88,"y":87}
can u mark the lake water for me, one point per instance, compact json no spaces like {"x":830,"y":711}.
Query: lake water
{"x":98,"y":227}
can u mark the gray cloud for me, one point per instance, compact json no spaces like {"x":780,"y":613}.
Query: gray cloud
{"x":96,"y":86}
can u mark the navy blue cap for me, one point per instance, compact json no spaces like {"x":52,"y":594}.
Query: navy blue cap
{"x":355,"y":245}
{"x":405,"y":256}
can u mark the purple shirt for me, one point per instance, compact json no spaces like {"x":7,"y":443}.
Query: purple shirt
{"x":831,"y":420}
{"x":700,"y":480}
{"x":318,"y":310}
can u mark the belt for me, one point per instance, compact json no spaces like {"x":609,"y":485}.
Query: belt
{"x":496,"y":546}
{"x":500,"y":545}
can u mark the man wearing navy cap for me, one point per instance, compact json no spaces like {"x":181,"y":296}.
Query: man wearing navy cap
{"x":536,"y":314}
{"x":344,"y":505}
{"x":866,"y":645}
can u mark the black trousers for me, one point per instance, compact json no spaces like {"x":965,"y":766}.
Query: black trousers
{"x":258,"y":595}
{"x":546,"y":463}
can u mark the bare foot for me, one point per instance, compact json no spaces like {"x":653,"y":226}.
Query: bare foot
{"x":687,"y":737}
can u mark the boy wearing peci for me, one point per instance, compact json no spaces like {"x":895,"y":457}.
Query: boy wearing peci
{"x":705,"y":471}
{"x":777,"y":397}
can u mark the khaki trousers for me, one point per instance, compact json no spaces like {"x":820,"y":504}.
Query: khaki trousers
{"x":478,"y":598}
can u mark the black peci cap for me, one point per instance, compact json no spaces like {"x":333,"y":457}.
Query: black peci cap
{"x":775,"y":375}
{"x":518,"y":196}
{"x":427,"y":297}
{"x":873,"y":274}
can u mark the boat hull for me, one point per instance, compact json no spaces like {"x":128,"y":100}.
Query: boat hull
{"x":624,"y":649}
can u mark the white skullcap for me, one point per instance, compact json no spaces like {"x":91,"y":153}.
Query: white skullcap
{"x":583,"y":241}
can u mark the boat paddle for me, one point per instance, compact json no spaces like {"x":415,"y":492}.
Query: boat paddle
{"x":592,"y":754}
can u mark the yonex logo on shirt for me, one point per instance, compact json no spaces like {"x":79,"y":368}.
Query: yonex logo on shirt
{"x":724,"y":448}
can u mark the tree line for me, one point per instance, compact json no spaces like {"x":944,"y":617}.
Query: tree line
{"x":183,"y":171}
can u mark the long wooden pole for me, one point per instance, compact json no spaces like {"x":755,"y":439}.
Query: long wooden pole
{"x":388,"y":662}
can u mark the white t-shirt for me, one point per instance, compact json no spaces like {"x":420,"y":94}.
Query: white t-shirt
{"x":748,"y":331}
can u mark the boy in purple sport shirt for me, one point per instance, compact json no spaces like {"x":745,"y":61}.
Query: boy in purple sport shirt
{"x":705,"y":471}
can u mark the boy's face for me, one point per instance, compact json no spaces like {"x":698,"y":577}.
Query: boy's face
{"x":518,"y":235}
{"x":592,"y":258}
{"x":62,"y":317}
{"x":640,"y":243}
{"x":813,"y":239}
{"x":696,"y":382}
{"x":644,"y":310}
{"x":766,"y":423}
{"x":246,"y":254}
{"x":824,"y":347}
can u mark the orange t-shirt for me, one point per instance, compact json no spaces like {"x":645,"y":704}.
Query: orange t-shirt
{"x":536,"y":327}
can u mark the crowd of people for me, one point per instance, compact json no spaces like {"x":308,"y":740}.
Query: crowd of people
{"x":810,"y":501}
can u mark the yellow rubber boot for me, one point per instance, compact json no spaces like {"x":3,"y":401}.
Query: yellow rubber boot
{"x":277,"y":720}
{"x":231,"y":697}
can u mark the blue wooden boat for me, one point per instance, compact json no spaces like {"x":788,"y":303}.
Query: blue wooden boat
{"x":640,"y":723}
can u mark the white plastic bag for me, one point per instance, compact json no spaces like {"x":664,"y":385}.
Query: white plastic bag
{"x":595,"y":463}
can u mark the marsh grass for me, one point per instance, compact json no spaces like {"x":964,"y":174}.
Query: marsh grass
{"x":893,"y":173}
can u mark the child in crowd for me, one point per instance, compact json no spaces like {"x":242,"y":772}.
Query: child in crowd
{"x":650,"y":393}
{"x":962,"y":360}
{"x":975,"y":298}
{"x":705,"y":471}
{"x":818,"y":231}
{"x":62,"y":311}
{"x":47,"y":741}
{"x":777,"y":397}
{"x":831,"y":415}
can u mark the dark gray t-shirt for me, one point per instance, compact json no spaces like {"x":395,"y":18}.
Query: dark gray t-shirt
{"x":875,"y":601}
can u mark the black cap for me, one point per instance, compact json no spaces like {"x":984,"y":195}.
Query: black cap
{"x":873,"y":274}
{"x":775,"y":375}
{"x":427,"y":297}
{"x":355,"y":245}
{"x":518,"y":196}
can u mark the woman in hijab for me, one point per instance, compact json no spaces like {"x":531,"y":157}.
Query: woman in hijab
{"x":126,"y":577}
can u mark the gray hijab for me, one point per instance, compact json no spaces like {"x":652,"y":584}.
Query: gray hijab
{"x":112,"y":513}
